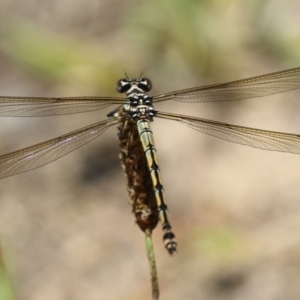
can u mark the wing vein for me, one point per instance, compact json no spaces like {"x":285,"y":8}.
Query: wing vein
{"x":258,"y":138}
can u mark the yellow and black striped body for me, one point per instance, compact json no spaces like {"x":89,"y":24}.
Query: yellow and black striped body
{"x":139,"y":160}
{"x":147,"y":141}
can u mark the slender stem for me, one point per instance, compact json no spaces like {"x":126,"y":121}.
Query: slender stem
{"x":151,"y":259}
{"x":6,"y":288}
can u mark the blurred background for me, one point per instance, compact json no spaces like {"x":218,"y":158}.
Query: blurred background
{"x":67,"y":231}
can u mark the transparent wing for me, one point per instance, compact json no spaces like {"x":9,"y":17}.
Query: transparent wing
{"x":258,"y":138}
{"x":41,"y":154}
{"x":258,"y":86}
{"x":34,"y":106}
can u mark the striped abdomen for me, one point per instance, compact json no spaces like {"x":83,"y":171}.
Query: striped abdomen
{"x":147,"y":141}
{"x":139,"y":160}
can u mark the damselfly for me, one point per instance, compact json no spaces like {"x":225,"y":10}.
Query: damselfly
{"x":138,"y":153}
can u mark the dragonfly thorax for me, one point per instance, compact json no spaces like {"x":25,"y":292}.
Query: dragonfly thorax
{"x":139,"y":106}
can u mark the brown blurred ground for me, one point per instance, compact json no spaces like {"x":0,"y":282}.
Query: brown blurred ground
{"x":66,"y":229}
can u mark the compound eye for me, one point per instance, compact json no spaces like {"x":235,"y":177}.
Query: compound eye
{"x":122,"y":86}
{"x":145,"y":84}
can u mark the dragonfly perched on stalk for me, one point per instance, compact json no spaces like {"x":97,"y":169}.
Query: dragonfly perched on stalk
{"x":138,"y":154}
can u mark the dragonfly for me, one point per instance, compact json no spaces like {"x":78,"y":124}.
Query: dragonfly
{"x":132,"y":116}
